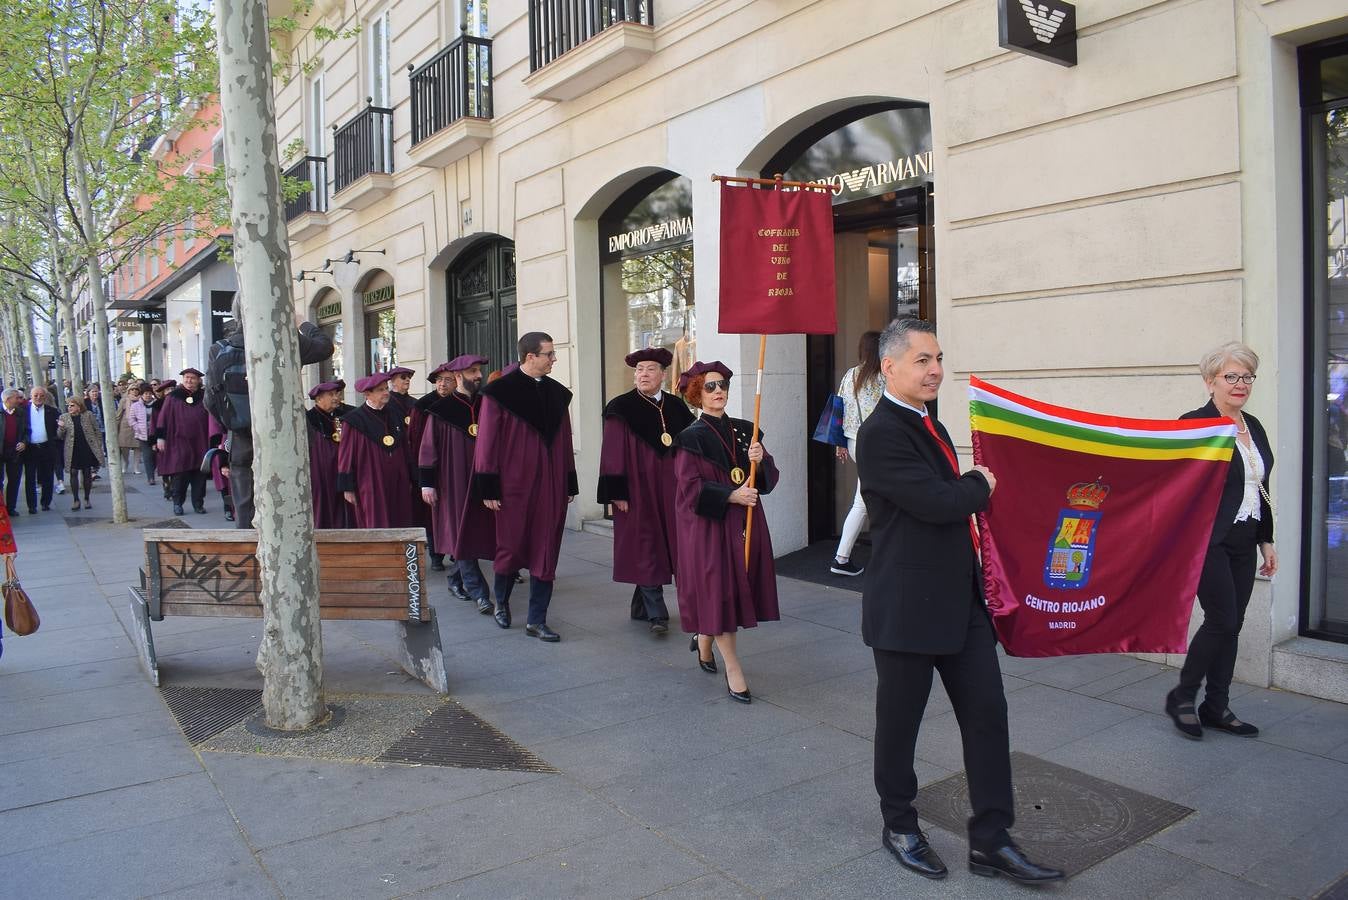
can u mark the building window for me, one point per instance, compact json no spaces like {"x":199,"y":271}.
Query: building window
{"x":379,"y":61}
{"x":315,"y":115}
{"x":472,"y":18}
{"x":329,"y":309}
{"x":646,"y":247}
{"x":1324,"y":101}
{"x":381,"y":324}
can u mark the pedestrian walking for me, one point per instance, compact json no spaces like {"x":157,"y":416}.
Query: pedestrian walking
{"x":861,"y":389}
{"x":713,"y":502}
{"x":636,"y":477}
{"x":83,"y":450}
{"x":525,"y":471}
{"x":372,"y":462}
{"x":15,"y":441}
{"x":923,"y":611}
{"x":127,"y":443}
{"x":323,"y":418}
{"x":1243,"y":525}
{"x":182,"y":433}
{"x":39,"y":463}
{"x":161,"y":391}
{"x":142,"y":417}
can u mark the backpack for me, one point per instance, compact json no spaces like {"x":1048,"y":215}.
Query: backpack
{"x":227,"y":393}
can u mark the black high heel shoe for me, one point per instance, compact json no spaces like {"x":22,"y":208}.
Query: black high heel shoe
{"x":707,"y":665}
{"x":741,"y":696}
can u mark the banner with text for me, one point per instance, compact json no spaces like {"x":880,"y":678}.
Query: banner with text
{"x":776,"y":262}
{"x":1094,"y":539}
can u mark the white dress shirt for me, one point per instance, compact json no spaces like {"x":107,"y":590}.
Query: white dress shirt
{"x":37,"y":424}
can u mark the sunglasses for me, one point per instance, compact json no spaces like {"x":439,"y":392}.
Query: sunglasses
{"x":716,"y":385}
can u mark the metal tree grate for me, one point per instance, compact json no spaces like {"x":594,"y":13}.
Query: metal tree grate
{"x":452,"y":736}
{"x":1064,"y":818}
{"x":202,"y":713}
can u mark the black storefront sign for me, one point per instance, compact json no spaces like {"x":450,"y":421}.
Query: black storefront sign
{"x":648,"y":218}
{"x":221,"y":304}
{"x":144,"y":316}
{"x":870,"y":156}
{"x":1045,"y":29}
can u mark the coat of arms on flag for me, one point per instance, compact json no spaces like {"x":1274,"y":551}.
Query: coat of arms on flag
{"x":1094,"y":539}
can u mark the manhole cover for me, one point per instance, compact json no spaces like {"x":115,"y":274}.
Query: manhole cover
{"x":1064,"y":818}
{"x":167,"y":523}
{"x":452,"y":736}
{"x":202,"y":713}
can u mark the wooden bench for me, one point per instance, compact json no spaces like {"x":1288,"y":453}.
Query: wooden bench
{"x":363,"y":574}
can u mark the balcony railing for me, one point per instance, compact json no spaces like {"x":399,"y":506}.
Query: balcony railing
{"x":313,"y":169}
{"x":556,"y":26}
{"x":454,"y":83}
{"x":362,"y":146}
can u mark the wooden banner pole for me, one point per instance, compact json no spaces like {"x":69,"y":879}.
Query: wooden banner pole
{"x":753,"y":466}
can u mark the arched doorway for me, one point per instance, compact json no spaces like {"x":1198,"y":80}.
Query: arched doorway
{"x":327,"y":313}
{"x":482,"y":312}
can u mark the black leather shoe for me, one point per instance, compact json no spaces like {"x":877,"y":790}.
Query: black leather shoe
{"x":543,"y":633}
{"x":1009,"y":861}
{"x":659,"y":626}
{"x":706,"y":665}
{"x":1183,"y":715}
{"x":456,"y":591}
{"x":1226,"y":721}
{"x":503,"y":615}
{"x":437,"y":565}
{"x":739,"y":696}
{"x":913,"y":852}
{"x":199,"y":510}
{"x":178,"y":509}
{"x":485,"y":606}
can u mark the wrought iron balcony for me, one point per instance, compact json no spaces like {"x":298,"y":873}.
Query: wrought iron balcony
{"x":453,"y":84}
{"x":363,"y":146}
{"x":556,"y":26}
{"x":313,"y":169}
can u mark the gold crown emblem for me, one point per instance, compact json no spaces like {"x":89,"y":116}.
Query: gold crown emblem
{"x":1087,"y":495}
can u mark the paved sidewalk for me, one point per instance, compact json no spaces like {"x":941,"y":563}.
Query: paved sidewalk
{"x":664,"y":786}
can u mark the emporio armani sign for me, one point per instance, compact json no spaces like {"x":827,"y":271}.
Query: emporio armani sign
{"x":1046,"y":29}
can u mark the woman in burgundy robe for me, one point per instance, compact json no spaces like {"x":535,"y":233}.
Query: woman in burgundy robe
{"x":330,"y":508}
{"x":717,"y":596}
{"x":372,"y":469}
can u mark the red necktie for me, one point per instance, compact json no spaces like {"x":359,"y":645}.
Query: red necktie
{"x":954,"y":467}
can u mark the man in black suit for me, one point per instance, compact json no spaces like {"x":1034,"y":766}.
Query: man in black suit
{"x":13,"y":441}
{"x":923,"y":610}
{"x":39,"y":460}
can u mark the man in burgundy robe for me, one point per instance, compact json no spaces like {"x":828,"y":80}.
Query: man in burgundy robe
{"x":525,"y":472}
{"x":330,"y":507}
{"x":442,"y":385}
{"x":161,"y":391}
{"x":400,"y":397}
{"x":636,"y":476}
{"x":372,"y":470}
{"x":182,"y":435}
{"x":460,"y":522}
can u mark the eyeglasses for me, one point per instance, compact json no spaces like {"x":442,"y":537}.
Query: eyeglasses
{"x":722,"y":384}
{"x":1232,"y":378}
{"x":551,"y":354}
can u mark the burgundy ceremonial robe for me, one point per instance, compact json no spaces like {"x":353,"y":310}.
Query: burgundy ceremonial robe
{"x":375,"y":471}
{"x":184,"y":426}
{"x":636,"y":466}
{"x":461,"y":525}
{"x":220,"y":460}
{"x":524,"y":459}
{"x":716,"y":594}
{"x":416,"y":426}
{"x":330,"y":508}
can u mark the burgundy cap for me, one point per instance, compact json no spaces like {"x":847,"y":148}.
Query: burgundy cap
{"x":702,"y":368}
{"x":167,"y":384}
{"x":650,"y":354}
{"x":466,"y":361}
{"x":400,"y":370}
{"x":191,"y":371}
{"x":338,"y":385}
{"x":370,"y":382}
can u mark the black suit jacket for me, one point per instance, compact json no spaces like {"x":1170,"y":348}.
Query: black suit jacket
{"x":1234,"y":488}
{"x":52,"y":419}
{"x":923,"y":574}
{"x":8,"y":451}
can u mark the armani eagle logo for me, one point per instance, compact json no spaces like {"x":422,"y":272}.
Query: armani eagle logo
{"x":1043,"y":22}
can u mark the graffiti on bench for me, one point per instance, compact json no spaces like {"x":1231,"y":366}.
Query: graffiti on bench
{"x":223,"y":580}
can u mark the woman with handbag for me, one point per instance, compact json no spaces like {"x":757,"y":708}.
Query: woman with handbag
{"x":1244,"y":524}
{"x":84,"y":449}
{"x":861,"y":388}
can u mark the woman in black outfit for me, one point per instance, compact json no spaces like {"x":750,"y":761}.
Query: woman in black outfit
{"x":83,"y":450}
{"x":1243,"y":525}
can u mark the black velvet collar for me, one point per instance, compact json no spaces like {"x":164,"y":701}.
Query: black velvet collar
{"x":426,"y":401}
{"x":701,"y":438}
{"x":455,"y":411}
{"x":539,"y":404}
{"x":321,"y":422}
{"x":182,"y":394}
{"x":402,"y":404}
{"x":376,"y":425}
{"x":641,"y":416}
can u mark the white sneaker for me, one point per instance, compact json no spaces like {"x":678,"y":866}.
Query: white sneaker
{"x":60,"y":487}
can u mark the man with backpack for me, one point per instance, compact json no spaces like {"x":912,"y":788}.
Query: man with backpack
{"x":227,"y":399}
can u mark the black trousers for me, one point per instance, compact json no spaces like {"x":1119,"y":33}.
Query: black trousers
{"x":1224,"y":591}
{"x":39,"y":471}
{"x":540,"y":596}
{"x":648,"y":603}
{"x":973,"y":680}
{"x":13,"y":478}
{"x":241,"y":477}
{"x":196,"y":479}
{"x":147,"y":456}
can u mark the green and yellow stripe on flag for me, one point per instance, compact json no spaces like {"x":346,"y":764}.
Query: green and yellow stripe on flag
{"x":1094,"y":539}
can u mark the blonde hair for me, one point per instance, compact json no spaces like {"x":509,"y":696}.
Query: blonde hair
{"x":1210,"y":366}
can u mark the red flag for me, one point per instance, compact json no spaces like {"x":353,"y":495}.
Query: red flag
{"x":776,"y":262}
{"x":1095,"y":537}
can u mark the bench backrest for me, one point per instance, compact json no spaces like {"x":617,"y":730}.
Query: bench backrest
{"x":363,"y":573}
